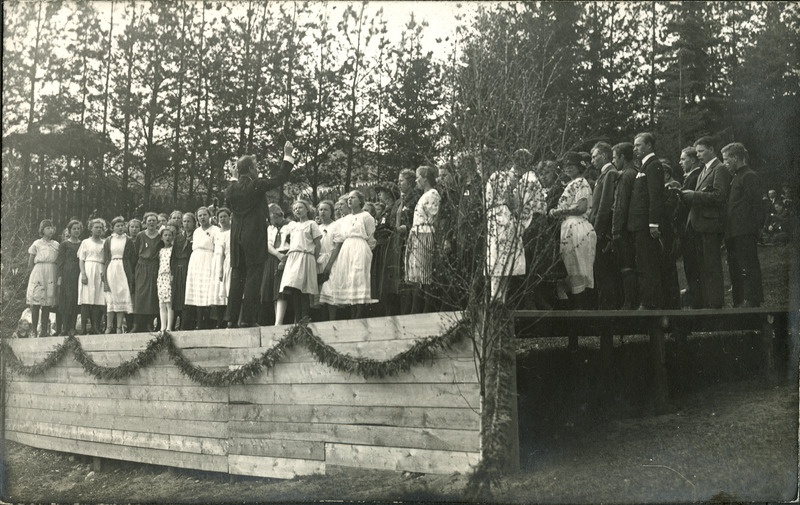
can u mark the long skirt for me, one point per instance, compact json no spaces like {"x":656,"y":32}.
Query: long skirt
{"x":145,"y":300}
{"x":42,"y":285}
{"x":578,"y":242}
{"x":68,"y":291}
{"x":505,"y":251}
{"x":179,"y":283}
{"x":119,"y":298}
{"x":349,"y":282}
{"x":300,"y":273}
{"x":92,"y":293}
{"x":419,"y":257}
{"x":200,"y":279}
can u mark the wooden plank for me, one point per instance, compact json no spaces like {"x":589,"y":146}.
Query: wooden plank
{"x":400,"y":459}
{"x":411,"y":417}
{"x":209,"y":429}
{"x":124,"y":342}
{"x":160,"y":410}
{"x":295,"y":449}
{"x":176,"y":443}
{"x":35,"y":345}
{"x":404,"y":395}
{"x":228,"y":338}
{"x":152,"y":376}
{"x":203,"y":394}
{"x":387,"y":436}
{"x":410,"y":327}
{"x":276,"y":468}
{"x":206,"y":462}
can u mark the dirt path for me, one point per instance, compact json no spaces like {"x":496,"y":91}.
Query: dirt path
{"x":734,"y":441}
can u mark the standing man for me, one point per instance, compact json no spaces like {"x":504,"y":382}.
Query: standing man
{"x":692,"y":167}
{"x":623,"y":239}
{"x":742,"y":225}
{"x":606,"y":268}
{"x":247,"y":201}
{"x":645,"y":220}
{"x":706,"y":221}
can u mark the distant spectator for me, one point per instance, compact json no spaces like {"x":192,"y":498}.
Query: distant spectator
{"x":778,"y":228}
{"x":23,"y":329}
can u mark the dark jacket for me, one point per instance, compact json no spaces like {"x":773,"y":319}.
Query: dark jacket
{"x":246,"y":199}
{"x":603,"y":202}
{"x":744,"y":213}
{"x":708,"y":205}
{"x":622,"y":199}
{"x":647,"y":197}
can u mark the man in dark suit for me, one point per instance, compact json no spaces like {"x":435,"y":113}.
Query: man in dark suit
{"x":706,"y":221}
{"x":645,"y":218}
{"x":623,"y":239}
{"x":606,"y":268}
{"x":691,"y":171}
{"x":742,"y":225}
{"x":246,"y":199}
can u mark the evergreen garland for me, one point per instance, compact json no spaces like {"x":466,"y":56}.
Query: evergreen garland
{"x":298,"y":334}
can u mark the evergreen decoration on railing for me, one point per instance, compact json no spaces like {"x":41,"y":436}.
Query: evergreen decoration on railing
{"x":298,"y":334}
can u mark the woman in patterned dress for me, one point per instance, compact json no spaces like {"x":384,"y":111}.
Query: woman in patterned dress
{"x":145,"y":299}
{"x":222,"y":264}
{"x":90,"y":291}
{"x":41,"y":293}
{"x":200,"y":276}
{"x":119,"y":256}
{"x":348,"y":268}
{"x":69,"y":274}
{"x":299,"y":279}
{"x":421,"y":246}
{"x":578,"y":238}
{"x":165,"y":277}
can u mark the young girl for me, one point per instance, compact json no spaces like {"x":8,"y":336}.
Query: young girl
{"x":119,"y":255}
{"x":145,"y":300}
{"x":222,"y":264}
{"x":300,"y":273}
{"x":165,"y":277}
{"x":41,"y":293}
{"x":181,"y":253}
{"x":327,"y":226}
{"x":200,"y":277}
{"x":351,"y":258}
{"x":134,"y":227}
{"x":92,"y":264}
{"x":273,"y":267}
{"x":69,"y":275}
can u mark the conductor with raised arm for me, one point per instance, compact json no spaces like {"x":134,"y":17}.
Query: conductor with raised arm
{"x":246,"y":198}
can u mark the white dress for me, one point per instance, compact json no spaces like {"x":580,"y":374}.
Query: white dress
{"x":505,"y":255}
{"x":42,"y":283}
{"x":578,"y":238}
{"x":420,"y":246}
{"x":200,"y":277}
{"x":119,"y":298}
{"x":222,"y":259}
{"x":91,"y":253}
{"x":349,"y":281}
{"x":300,"y":271}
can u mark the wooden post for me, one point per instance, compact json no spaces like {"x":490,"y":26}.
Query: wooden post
{"x":660,"y":386}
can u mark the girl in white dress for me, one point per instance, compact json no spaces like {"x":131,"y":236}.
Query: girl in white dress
{"x":92,"y":263}
{"x":222,"y":264}
{"x":300,"y":273}
{"x":421,"y":247}
{"x":164,"y":279}
{"x":41,"y":293}
{"x":349,"y":265}
{"x":325,"y":211}
{"x":201,"y":287}
{"x":118,"y":256}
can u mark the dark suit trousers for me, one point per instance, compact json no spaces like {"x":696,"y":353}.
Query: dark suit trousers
{"x":648,"y":266}
{"x":709,"y":260}
{"x":245,"y":293}
{"x":691,"y":268}
{"x":607,"y":280}
{"x":745,"y":269}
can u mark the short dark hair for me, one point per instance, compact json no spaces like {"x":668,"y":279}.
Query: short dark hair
{"x":604,"y":148}
{"x":118,"y":219}
{"x":45,"y":224}
{"x":245,"y":164}
{"x":648,"y":138}
{"x":408,"y":174}
{"x":428,"y":172}
{"x":706,"y":141}
{"x":624,"y":149}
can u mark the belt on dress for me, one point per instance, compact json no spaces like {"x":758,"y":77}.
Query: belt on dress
{"x":93,"y":261}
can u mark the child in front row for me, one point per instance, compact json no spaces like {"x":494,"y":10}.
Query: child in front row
{"x":41,"y":293}
{"x":299,"y":278}
{"x":165,"y":277}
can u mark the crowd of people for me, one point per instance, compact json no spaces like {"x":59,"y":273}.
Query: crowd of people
{"x":599,"y":230}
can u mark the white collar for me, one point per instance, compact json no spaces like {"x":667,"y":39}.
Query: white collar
{"x":647,"y":157}
{"x":606,"y":168}
{"x":711,"y":162}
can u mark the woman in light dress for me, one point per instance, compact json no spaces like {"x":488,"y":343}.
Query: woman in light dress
{"x":91,"y":295}
{"x":299,"y":280}
{"x":119,"y":256}
{"x":222,"y":264}
{"x":41,"y":293}
{"x":325,"y":213}
{"x":349,"y":265}
{"x":578,"y":238}
{"x":505,"y":253}
{"x":201,"y":287}
{"x":421,"y":242}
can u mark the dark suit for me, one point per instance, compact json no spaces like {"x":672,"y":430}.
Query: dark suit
{"x":742,"y":225}
{"x":688,"y":238}
{"x":646,"y":208}
{"x":246,"y":199}
{"x":707,"y":221}
{"x":606,"y":268}
{"x":623,"y":239}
